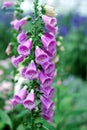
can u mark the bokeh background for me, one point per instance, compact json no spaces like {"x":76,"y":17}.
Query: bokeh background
{"x":71,"y":68}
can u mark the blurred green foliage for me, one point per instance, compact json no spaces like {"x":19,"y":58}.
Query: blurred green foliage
{"x":5,"y":36}
{"x":74,"y":58}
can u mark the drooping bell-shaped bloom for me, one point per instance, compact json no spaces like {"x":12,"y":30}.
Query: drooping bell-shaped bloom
{"x":31,"y":72}
{"x":40,"y":56}
{"x":48,"y":67}
{"x":53,"y":29}
{"x":44,"y":79}
{"x":49,"y":44}
{"x":20,"y":95}
{"x":13,"y":102}
{"x":49,"y":35}
{"x":23,"y":72}
{"x":24,"y":49}
{"x":15,"y":24}
{"x":23,"y":21}
{"x":52,"y":74}
{"x":48,"y":115}
{"x":46,"y":103}
{"x":48,"y":91}
{"x":50,"y":53}
{"x":7,"y":4}
{"x":17,"y":60}
{"x":29,"y":102}
{"x":49,"y":20}
{"x":22,"y":37}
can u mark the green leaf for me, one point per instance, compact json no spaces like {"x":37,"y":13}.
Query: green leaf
{"x":20,"y":127}
{"x":4,"y":119}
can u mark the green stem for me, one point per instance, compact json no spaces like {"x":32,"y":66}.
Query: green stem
{"x":35,"y":37}
{"x":32,"y":121}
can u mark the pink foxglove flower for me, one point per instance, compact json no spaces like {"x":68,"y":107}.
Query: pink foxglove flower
{"x":46,"y":103}
{"x":31,"y":72}
{"x":40,"y":56}
{"x":13,"y":102}
{"x":48,"y":67}
{"x":22,"y":37}
{"x":20,"y":95}
{"x":23,"y":21}
{"x":24,"y":49}
{"x":23,"y":72}
{"x":52,"y":74}
{"x":49,"y":35}
{"x":15,"y":24}
{"x":17,"y":60}
{"x":49,"y":20}
{"x":48,"y":91}
{"x":49,"y":44}
{"x":7,"y":4}
{"x":52,"y":29}
{"x":48,"y":115}
{"x":45,"y":80}
{"x":29,"y":102}
{"x":52,"y":53}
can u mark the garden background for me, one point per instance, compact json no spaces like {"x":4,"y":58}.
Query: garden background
{"x":71,"y":68}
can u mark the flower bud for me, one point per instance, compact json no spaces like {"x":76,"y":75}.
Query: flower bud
{"x":49,"y":10}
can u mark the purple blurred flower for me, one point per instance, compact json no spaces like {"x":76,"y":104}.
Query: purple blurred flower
{"x":48,"y":115}
{"x":18,"y":23}
{"x":13,"y":102}
{"x":63,"y":30}
{"x":77,"y":20}
{"x":7,"y":4}
{"x":46,"y":103}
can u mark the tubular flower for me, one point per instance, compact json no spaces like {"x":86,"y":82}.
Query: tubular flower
{"x":31,"y":72}
{"x":22,"y":37}
{"x":29,"y":102}
{"x":7,"y":4}
{"x":40,"y":56}
{"x":49,"y":20}
{"x":20,"y":95}
{"x":16,"y":24}
{"x":49,"y":44}
{"x":48,"y":67}
{"x":17,"y":60}
{"x":24,"y":49}
{"x":45,"y":80}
